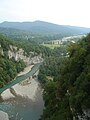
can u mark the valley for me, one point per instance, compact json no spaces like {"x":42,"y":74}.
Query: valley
{"x":44,"y":71}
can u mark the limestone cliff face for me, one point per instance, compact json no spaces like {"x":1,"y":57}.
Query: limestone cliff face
{"x":20,"y":54}
{"x":17,"y":54}
{"x":1,"y":50}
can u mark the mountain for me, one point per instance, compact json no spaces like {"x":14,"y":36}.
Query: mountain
{"x":45,"y":28}
{"x":39,"y":31}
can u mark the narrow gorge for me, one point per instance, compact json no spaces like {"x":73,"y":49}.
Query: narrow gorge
{"x":24,"y":93}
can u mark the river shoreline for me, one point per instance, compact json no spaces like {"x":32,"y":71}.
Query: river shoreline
{"x":26,"y":88}
{"x":28,"y":105}
{"x":3,"y":116}
{"x":24,"y":98}
{"x":26,"y":70}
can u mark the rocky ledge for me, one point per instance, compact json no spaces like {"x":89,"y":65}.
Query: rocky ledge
{"x":3,"y":116}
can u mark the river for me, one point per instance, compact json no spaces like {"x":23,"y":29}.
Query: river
{"x":22,"y":107}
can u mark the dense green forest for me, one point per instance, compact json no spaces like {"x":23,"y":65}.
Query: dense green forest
{"x":64,"y":75}
{"x":27,"y":36}
{"x":66,"y":83}
{"x":10,"y":67}
{"x":22,"y":35}
{"x":39,"y":31}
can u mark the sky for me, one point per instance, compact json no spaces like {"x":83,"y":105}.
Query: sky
{"x":62,"y":12}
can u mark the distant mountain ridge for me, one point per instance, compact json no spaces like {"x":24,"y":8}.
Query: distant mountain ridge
{"x":39,"y":31}
{"x":45,"y":27}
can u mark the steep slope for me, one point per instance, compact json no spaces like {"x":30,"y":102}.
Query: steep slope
{"x":66,"y":82}
{"x":14,"y":59}
{"x":9,"y":67}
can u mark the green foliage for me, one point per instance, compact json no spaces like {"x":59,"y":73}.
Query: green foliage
{"x":8,"y":67}
{"x":9,"y":70}
{"x":51,"y":46}
{"x":39,"y":31}
{"x":68,"y":94}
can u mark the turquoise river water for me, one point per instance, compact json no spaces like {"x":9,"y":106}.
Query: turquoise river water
{"x":20,"y":108}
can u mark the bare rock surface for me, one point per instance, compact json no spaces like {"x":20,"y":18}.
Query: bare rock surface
{"x":3,"y":116}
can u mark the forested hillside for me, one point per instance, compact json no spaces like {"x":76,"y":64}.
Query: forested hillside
{"x":45,"y":27}
{"x":8,"y":67}
{"x":39,"y":31}
{"x":10,"y":63}
{"x":66,"y":83}
{"x":64,"y":75}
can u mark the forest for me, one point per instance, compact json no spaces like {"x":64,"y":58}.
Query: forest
{"x":66,"y":83}
{"x":39,"y":31}
{"x":9,"y":68}
{"x":64,"y":76}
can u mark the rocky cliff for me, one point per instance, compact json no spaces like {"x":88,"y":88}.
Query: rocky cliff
{"x":3,"y":116}
{"x":19,"y":53}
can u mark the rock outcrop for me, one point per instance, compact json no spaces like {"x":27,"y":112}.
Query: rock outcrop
{"x":1,"y":51}
{"x":20,"y":54}
{"x":3,"y":116}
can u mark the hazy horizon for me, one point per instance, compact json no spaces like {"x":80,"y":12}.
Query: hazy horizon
{"x":43,"y":21}
{"x":61,"y":12}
